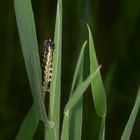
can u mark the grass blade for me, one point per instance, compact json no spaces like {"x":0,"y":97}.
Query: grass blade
{"x":65,"y":127}
{"x":129,"y":126}
{"x":28,"y":39}
{"x":102,"y":128}
{"x":50,"y":134}
{"x":80,"y":90}
{"x":75,"y":118}
{"x":54,"y":107}
{"x":98,"y":91}
{"x":78,"y":67}
{"x":76,"y":113}
{"x":29,"y":125}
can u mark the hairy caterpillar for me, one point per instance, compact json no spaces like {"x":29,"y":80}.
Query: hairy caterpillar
{"x":47,"y":59}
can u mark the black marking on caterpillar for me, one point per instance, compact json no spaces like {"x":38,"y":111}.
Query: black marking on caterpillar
{"x":47,"y":59}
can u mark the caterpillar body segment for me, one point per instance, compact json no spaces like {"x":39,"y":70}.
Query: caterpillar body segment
{"x":47,"y":60}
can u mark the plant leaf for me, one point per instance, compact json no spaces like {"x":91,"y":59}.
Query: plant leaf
{"x":98,"y":92}
{"x":76,"y":120}
{"x":78,"y":67}
{"x":65,"y":127}
{"x":50,"y":133}
{"x":27,"y":33}
{"x":102,"y":128}
{"x":129,"y":126}
{"x":54,"y":107}
{"x":76,"y":113}
{"x":80,"y":90}
{"x":29,"y":125}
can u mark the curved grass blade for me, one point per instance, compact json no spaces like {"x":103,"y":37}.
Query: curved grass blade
{"x":80,"y":90}
{"x":76,"y":96}
{"x":54,"y":107}
{"x":29,"y":125}
{"x":76,"y":113}
{"x":27,"y":34}
{"x":129,"y":126}
{"x":98,"y":92}
{"x":75,"y":118}
{"x":78,"y":67}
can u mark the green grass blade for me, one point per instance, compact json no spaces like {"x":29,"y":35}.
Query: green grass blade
{"x":65,"y":127}
{"x":27,"y":33}
{"x":76,"y":113}
{"x":98,"y":91}
{"x":102,"y":128}
{"x":29,"y":125}
{"x":54,"y":107}
{"x":78,"y":67}
{"x":50,"y":134}
{"x":75,"y":118}
{"x":80,"y":90}
{"x":129,"y":126}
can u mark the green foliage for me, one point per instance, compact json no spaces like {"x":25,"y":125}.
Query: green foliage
{"x":73,"y":109}
{"x":76,"y":113}
{"x":54,"y":105}
{"x":29,"y":125}
{"x":98,"y":91}
{"x":129,"y":126}
{"x":80,"y":90}
{"x":28,"y":39}
{"x":27,"y":34}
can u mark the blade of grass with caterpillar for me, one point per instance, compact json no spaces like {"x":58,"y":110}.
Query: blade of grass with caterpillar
{"x":54,"y":105}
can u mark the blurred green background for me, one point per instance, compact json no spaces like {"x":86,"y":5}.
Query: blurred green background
{"x":116,"y":30}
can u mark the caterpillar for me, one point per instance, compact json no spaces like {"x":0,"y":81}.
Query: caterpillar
{"x":47,"y":59}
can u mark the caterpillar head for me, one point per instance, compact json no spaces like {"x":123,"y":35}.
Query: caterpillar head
{"x":49,"y":43}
